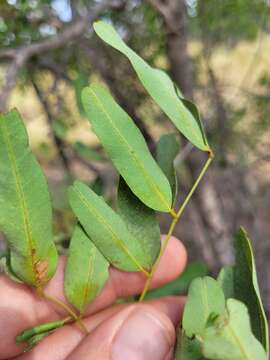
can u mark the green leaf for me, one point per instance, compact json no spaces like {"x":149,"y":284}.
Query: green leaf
{"x":186,"y":348}
{"x":107,"y":230}
{"x":246,"y":287}
{"x":196,"y":114}
{"x":158,"y":85}
{"x":86,"y":152}
{"x":140,"y":220}
{"x":205,"y":300}
{"x":127,"y":148}
{"x":226,"y":281}
{"x":25,"y":208}
{"x":230,"y":337}
{"x":86,"y":271}
{"x":5,"y":262}
{"x":166,"y":151}
{"x":180,"y":285}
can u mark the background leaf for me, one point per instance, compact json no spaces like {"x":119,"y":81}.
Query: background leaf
{"x":107,"y":230}
{"x":126,"y":148}
{"x":25,"y":208}
{"x":158,"y":85}
{"x":140,"y":220}
{"x":180,"y":285}
{"x":86,"y":270}
{"x":230,"y":338}
{"x":205,"y":300}
{"x":79,"y":83}
{"x":86,"y":152}
{"x":166,"y":151}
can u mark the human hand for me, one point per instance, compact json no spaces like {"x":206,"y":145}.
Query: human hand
{"x":126,"y":331}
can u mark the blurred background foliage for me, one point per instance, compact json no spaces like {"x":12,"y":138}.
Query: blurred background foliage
{"x":217,"y":51}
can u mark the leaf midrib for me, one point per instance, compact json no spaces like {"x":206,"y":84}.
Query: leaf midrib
{"x":20,"y":195}
{"x":132,"y":154}
{"x":238,"y":341}
{"x":181,"y":106}
{"x":90,"y":271}
{"x":103,"y":222}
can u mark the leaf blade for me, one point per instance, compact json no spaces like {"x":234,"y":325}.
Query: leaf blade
{"x":226,"y":281}
{"x":140,"y":220}
{"x":231,"y":338}
{"x":26,"y":213}
{"x":126,"y":148}
{"x":246,"y":286}
{"x":166,"y":151}
{"x":86,"y":271}
{"x":205,"y":298}
{"x":109,"y":230}
{"x":158,"y":85}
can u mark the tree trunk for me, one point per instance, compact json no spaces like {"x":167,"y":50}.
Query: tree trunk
{"x":205,"y":201}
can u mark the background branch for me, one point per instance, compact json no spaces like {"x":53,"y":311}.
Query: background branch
{"x":21,"y":55}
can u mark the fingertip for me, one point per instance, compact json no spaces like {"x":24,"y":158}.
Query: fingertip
{"x":172,"y":263}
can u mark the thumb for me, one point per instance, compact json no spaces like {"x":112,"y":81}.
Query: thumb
{"x":138,"y":332}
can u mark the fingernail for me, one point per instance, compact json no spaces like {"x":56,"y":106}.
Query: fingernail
{"x":143,"y":335}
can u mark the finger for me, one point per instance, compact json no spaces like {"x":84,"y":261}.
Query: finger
{"x":123,"y":284}
{"x":137,"y":332}
{"x":21,"y":308}
{"x":61,"y":343}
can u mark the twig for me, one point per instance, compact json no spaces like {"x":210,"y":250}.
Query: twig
{"x":21,"y":55}
{"x":176,"y":218}
{"x":57,"y":140}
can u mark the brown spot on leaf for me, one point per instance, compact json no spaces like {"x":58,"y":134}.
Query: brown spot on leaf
{"x":41,"y":268}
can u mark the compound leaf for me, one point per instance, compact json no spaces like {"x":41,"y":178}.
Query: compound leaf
{"x":126,"y":148}
{"x":140,"y":220}
{"x":158,"y":85}
{"x":107,"y":230}
{"x":205,"y":301}
{"x":86,"y":271}
{"x":166,"y":151}
{"x":230,"y":337}
{"x":25,"y":207}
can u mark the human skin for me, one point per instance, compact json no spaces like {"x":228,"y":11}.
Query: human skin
{"x":116,"y":332}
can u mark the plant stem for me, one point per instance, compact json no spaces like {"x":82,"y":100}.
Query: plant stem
{"x":176,"y":217}
{"x":195,"y":185}
{"x":61,"y":304}
{"x":162,"y":250}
